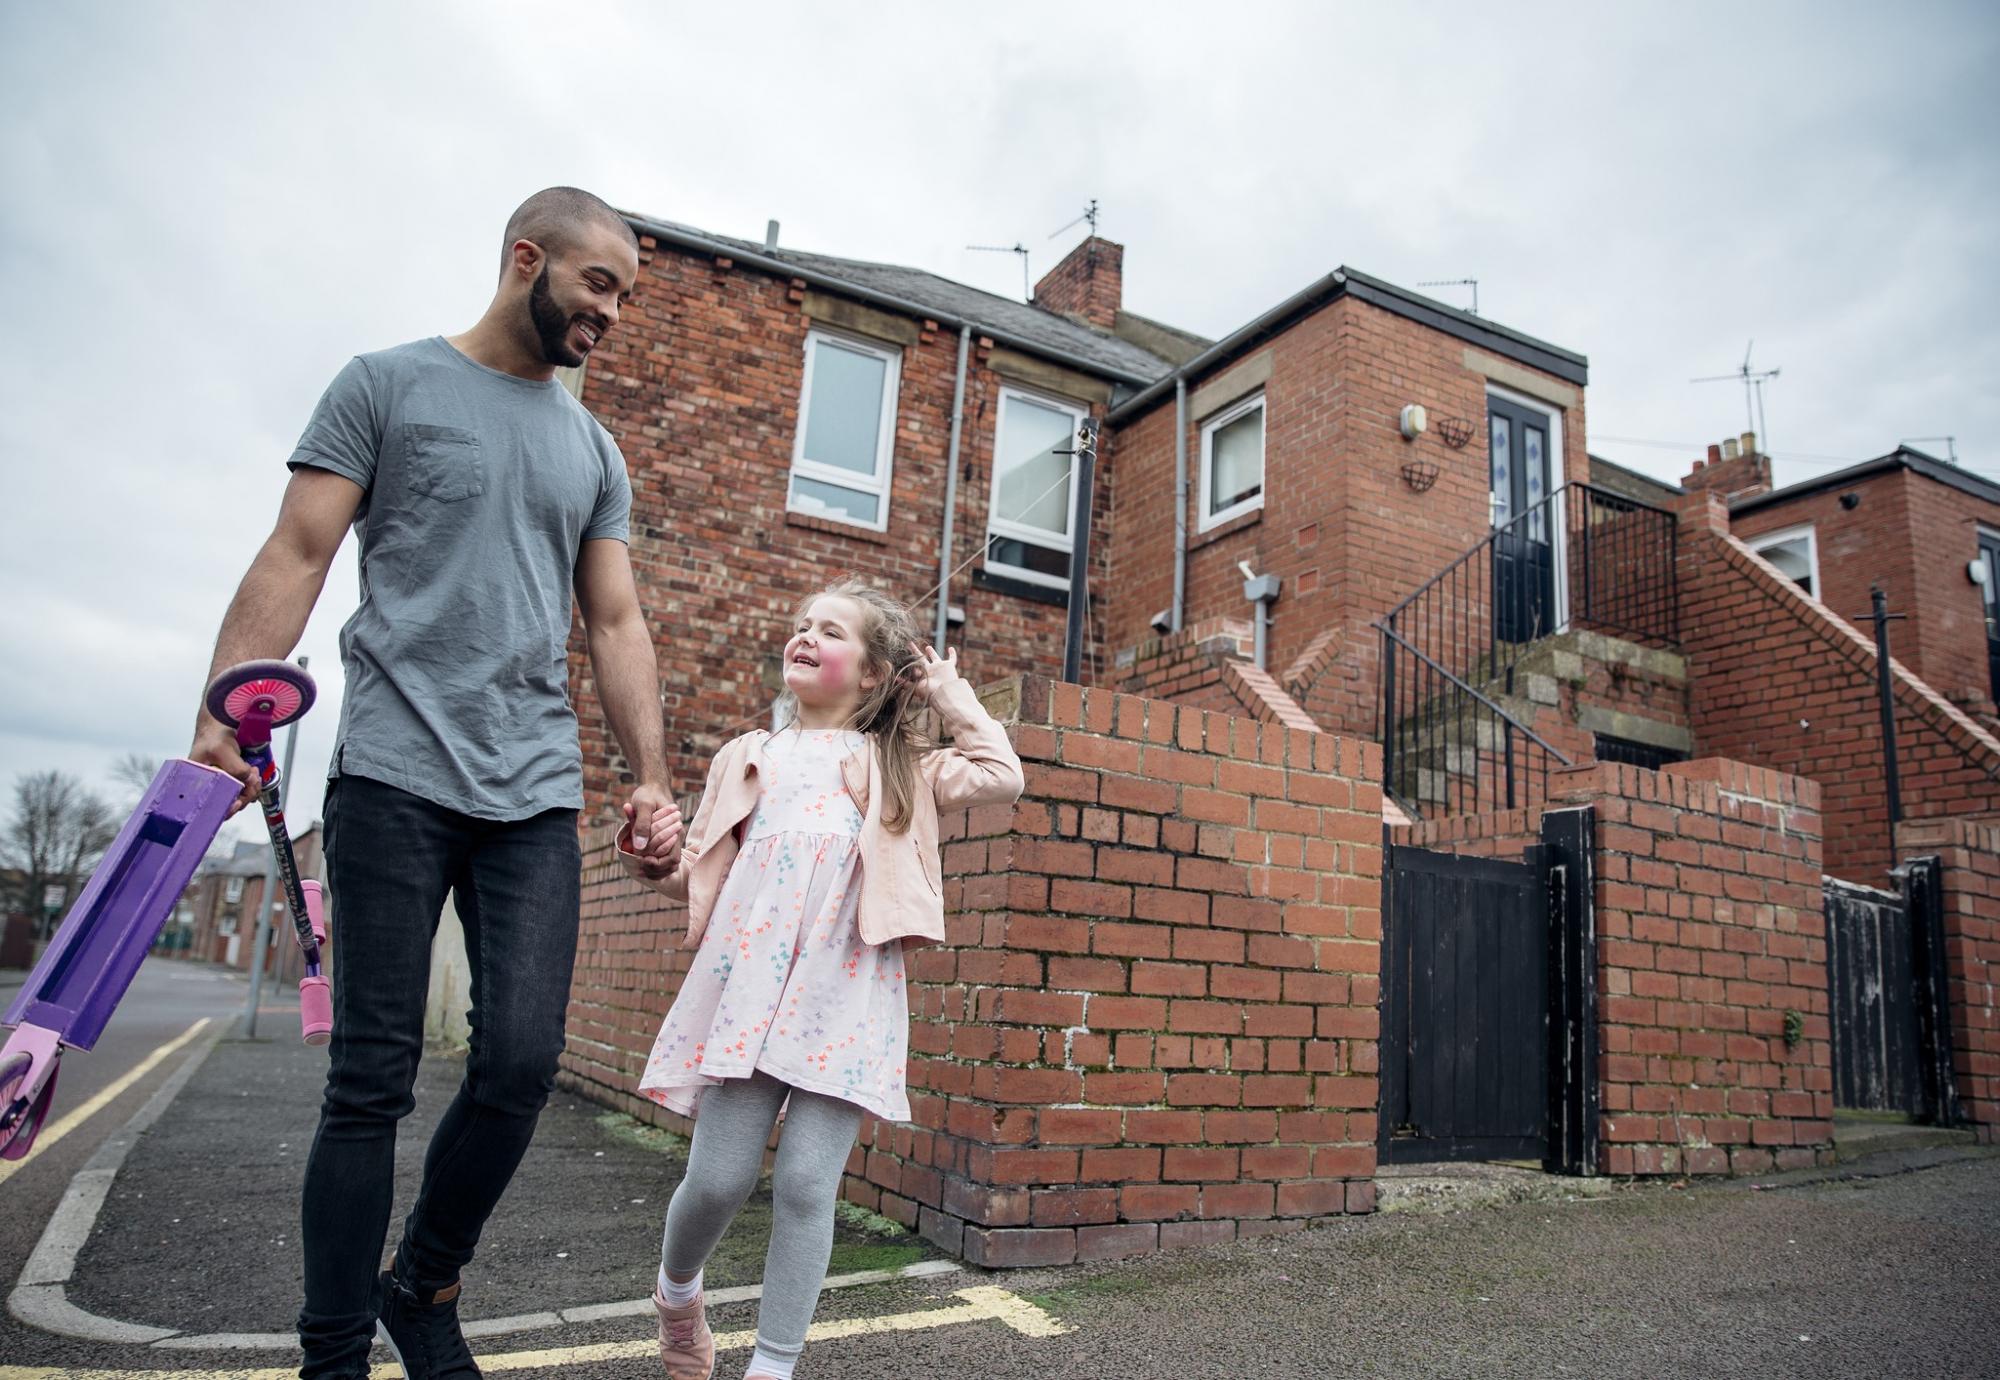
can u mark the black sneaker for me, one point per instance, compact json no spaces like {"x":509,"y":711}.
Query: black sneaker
{"x":422,"y":1333}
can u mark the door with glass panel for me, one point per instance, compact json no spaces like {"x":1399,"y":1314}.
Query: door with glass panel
{"x":1028,"y":527}
{"x":1524,"y":602}
{"x":1989,"y":553}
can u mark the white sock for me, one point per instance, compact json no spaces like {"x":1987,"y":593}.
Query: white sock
{"x":680,"y":1295}
{"x":763,"y":1363}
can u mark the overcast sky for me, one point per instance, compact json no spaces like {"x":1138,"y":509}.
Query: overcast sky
{"x":208,"y":208}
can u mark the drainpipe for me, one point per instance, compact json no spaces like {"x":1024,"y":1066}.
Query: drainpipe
{"x":1261,"y":590}
{"x":1180,"y":501}
{"x":951,"y":493}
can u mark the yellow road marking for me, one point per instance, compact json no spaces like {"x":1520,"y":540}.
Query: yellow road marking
{"x":51,"y":1134}
{"x":981,"y":1304}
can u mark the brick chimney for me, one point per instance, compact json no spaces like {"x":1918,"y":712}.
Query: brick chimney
{"x":1088,"y":285}
{"x":1733,"y":469}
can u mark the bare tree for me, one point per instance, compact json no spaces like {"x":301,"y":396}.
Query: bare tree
{"x":55,"y":835}
{"x":134,"y":772}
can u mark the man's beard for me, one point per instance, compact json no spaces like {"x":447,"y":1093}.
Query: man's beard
{"x":551,"y":325}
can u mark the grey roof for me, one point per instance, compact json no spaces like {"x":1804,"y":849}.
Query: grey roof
{"x":1901,"y":458}
{"x":1609,"y":474}
{"x":249,"y":857}
{"x":1031,"y":324}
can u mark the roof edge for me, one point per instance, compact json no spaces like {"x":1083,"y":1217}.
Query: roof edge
{"x":1564,"y":364}
{"x":680,"y":237}
{"x":1901,"y":458}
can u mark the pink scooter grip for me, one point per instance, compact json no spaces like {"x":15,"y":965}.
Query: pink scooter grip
{"x":315,"y":994}
{"x":316,"y":1010}
{"x":315,"y":910}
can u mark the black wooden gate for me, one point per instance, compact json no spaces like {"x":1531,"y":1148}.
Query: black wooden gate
{"x":1885,"y":985}
{"x":1873,"y":996}
{"x":1488,"y":1005}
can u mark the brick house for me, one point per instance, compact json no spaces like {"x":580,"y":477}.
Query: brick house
{"x":216,"y":918}
{"x":1355,"y":580}
{"x":1927,"y":532}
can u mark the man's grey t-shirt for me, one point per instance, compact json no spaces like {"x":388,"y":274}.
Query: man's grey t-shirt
{"x":480,"y":489}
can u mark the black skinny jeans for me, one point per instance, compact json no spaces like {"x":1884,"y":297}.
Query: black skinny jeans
{"x":391,"y":857}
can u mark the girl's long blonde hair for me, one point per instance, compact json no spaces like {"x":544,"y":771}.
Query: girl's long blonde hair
{"x":891,"y":713}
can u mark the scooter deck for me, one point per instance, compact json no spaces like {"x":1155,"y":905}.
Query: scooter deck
{"x":94,"y":956}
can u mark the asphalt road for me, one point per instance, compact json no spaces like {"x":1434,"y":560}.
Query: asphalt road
{"x":165,"y":999}
{"x":1890,"y":1268}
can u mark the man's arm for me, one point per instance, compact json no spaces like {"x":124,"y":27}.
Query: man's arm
{"x":628,"y":684}
{"x":269,"y":612}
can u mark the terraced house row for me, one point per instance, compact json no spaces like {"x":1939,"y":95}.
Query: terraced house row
{"x":1430,"y":788}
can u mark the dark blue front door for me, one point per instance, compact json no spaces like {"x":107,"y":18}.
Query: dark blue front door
{"x":1523,"y":553}
{"x":1989,"y":552}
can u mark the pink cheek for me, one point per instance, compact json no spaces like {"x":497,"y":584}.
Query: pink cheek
{"x":834,"y":662}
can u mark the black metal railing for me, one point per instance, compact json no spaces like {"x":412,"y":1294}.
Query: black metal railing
{"x":1455,"y":736}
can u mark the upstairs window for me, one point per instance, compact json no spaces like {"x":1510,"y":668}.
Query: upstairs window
{"x":1034,"y":483}
{"x":1795,"y":553}
{"x":847,"y":427}
{"x":1232,"y":462}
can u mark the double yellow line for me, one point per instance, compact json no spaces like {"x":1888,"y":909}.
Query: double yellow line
{"x":52,"y":1134}
{"x":980,"y":1304}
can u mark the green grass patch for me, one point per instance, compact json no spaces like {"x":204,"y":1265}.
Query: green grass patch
{"x":853,"y":1257}
{"x":658,"y":1139}
{"x":1105,"y":1286}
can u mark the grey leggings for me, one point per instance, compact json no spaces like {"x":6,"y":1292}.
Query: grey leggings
{"x":730,"y":1132}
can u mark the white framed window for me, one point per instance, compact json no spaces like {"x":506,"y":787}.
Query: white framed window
{"x":1795,"y":551}
{"x":1232,"y":462}
{"x":1034,"y":488}
{"x":847,"y":430}
{"x":232,"y":890}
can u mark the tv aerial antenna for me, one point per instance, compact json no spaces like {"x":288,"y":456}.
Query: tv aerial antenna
{"x":1753,"y":381}
{"x":1015,"y":248}
{"x":1472,"y":283}
{"x":1089,"y":214}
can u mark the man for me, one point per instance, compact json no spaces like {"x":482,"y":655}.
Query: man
{"x":482,"y":494}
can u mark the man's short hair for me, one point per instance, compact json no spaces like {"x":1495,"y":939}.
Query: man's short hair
{"x":555,"y":217}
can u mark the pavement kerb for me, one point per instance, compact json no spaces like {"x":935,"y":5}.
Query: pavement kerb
{"x":40,"y":1299}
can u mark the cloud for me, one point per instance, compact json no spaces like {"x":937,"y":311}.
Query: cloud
{"x":210,"y":207}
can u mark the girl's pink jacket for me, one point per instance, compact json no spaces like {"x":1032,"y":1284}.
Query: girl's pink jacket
{"x":902,"y":891}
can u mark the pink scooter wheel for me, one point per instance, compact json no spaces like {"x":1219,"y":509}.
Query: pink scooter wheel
{"x":22,"y":1123}
{"x":286,"y":689}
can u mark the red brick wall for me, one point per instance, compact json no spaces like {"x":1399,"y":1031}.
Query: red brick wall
{"x":1187,"y":666}
{"x":1710,"y":929}
{"x":1340,"y":527}
{"x":700,"y":386}
{"x":1494,"y":834}
{"x":1160,"y":1013}
{"x":1777,"y":681}
{"x":1969,"y":850}
{"x":1209,"y":666}
{"x":1155,"y":1023}
{"x":1914,"y":537}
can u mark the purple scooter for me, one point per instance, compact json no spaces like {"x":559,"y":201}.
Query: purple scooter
{"x":94,"y":956}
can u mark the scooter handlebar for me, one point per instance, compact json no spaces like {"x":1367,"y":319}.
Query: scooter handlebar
{"x":315,"y":994}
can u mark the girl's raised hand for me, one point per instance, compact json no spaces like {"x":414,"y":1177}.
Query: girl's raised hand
{"x":931,"y":672}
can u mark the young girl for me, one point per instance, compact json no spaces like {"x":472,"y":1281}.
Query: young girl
{"x":812,"y":860}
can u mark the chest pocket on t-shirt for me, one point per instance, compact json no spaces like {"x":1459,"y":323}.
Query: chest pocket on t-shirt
{"x":442,"y":462}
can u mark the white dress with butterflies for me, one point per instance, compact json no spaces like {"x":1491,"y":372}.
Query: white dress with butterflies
{"x":781,"y":980}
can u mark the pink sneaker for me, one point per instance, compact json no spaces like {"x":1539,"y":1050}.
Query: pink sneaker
{"x":687,"y":1347}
